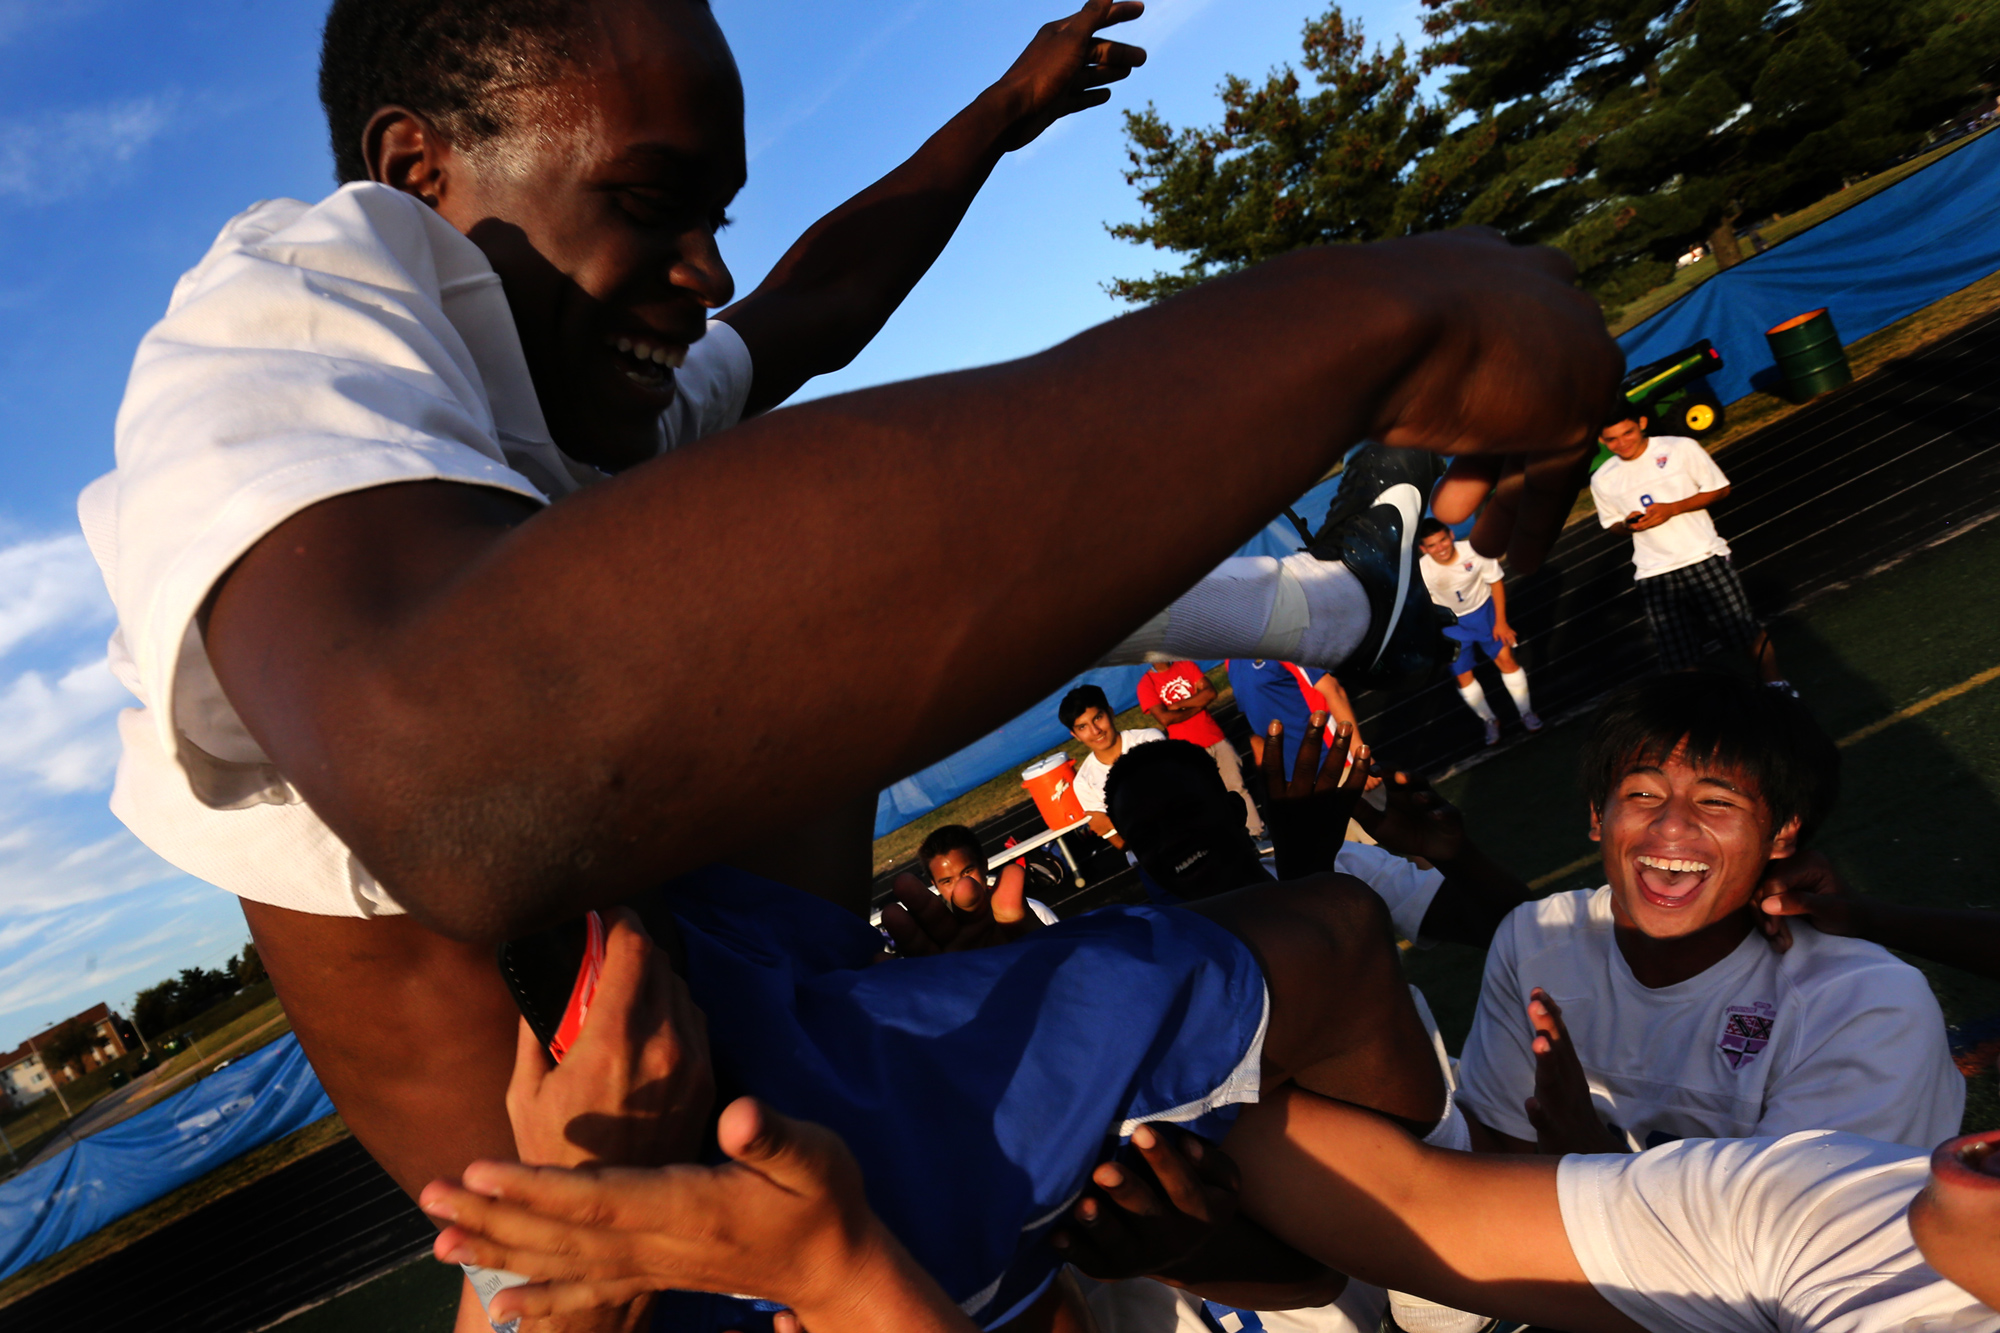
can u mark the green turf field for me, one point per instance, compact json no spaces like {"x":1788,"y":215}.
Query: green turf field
{"x":1919,"y":796}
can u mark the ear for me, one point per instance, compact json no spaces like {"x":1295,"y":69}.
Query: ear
{"x":1643,"y":423}
{"x":1596,"y":824}
{"x":406,"y":151}
{"x":1785,"y":842}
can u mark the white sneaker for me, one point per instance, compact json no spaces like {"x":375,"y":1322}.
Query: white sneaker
{"x":1492,"y":731}
{"x":1531,"y":720}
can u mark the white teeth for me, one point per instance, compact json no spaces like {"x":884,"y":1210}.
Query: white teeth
{"x":673,"y":356}
{"x":659,"y":356}
{"x":642,"y":350}
{"x":1674,"y":865}
{"x":624,"y":344}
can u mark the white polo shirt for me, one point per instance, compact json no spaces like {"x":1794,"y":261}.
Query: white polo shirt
{"x":1804,"y":1234}
{"x":316,"y":350}
{"x":1834,"y":1034}
{"x":1464,"y":583}
{"x":1672,"y":468}
{"x":1092,"y":772}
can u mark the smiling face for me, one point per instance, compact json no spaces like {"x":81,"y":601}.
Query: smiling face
{"x":1094,"y":728}
{"x":1627,"y":439}
{"x":1440,"y":547}
{"x":1685,"y":844}
{"x":599,"y":209}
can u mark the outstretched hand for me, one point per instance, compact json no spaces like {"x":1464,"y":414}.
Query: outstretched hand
{"x":635,"y":1089}
{"x":784,"y":1220}
{"x":1803,"y":885}
{"x":1306,"y":814}
{"x":1561,"y":1111}
{"x":974,"y":917}
{"x":1414,"y":821}
{"x":1065,"y":68}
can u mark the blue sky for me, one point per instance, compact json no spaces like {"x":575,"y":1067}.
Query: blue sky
{"x":129,"y":132}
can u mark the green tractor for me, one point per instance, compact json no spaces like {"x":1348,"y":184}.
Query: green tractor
{"x":1674,"y":394}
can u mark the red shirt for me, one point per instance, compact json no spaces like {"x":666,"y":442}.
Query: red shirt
{"x":1174,"y":687}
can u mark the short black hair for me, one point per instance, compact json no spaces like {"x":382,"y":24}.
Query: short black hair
{"x":1430,"y":528}
{"x":450,"y":61}
{"x":1080,"y":701}
{"x":1140,"y":760}
{"x":1626,"y":410}
{"x":947,"y":839}
{"x":1721,"y":720}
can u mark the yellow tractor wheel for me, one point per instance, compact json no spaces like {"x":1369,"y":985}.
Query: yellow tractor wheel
{"x":1700,"y":416}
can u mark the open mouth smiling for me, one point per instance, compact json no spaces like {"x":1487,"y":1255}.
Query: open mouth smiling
{"x":648,"y":363}
{"x":1670,"y":881}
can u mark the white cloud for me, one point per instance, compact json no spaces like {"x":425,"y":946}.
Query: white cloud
{"x":49,"y":584}
{"x":48,"y":868}
{"x":49,"y":157}
{"x":59,"y":732}
{"x":761,"y":137}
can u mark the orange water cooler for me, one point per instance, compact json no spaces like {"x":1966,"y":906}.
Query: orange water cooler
{"x":1052,"y":782}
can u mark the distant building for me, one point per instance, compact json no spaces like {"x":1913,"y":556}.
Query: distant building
{"x":24,"y":1076}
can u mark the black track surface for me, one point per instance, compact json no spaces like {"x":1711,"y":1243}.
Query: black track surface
{"x":297,"y":1236}
{"x":1824,"y":497}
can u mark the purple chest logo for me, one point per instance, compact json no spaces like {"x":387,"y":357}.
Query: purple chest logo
{"x":1746,"y":1031}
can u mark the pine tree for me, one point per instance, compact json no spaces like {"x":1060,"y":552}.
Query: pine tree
{"x":1287,"y":167}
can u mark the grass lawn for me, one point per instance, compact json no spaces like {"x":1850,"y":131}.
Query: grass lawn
{"x":1919,"y":795}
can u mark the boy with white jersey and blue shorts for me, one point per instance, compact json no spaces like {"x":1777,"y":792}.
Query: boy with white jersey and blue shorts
{"x":1653,"y":1009}
{"x":441,"y":550}
{"x":1470,"y":586}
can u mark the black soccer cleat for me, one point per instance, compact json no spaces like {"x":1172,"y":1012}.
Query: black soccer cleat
{"x":1371,"y":527}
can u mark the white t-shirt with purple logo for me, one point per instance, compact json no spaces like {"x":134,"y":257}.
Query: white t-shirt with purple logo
{"x":1834,"y":1034}
{"x":1672,"y":468}
{"x":1462,"y":584}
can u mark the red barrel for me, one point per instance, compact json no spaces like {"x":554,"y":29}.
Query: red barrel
{"x":1052,"y":782}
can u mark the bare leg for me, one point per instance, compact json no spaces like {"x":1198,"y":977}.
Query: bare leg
{"x":1472,"y":1231}
{"x":1342,"y":1020}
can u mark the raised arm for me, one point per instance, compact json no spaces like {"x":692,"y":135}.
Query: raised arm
{"x":510,"y":715}
{"x":839,"y":283}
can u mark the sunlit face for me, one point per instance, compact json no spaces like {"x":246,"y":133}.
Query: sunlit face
{"x":1094,"y":728}
{"x":1685,"y":846}
{"x":599,"y":210}
{"x":1627,"y":439}
{"x":1440,"y":547}
{"x":960,"y":877}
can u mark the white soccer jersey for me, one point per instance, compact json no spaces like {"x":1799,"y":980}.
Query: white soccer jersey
{"x":1672,"y":468}
{"x":1834,"y":1034}
{"x":1462,"y":584}
{"x":1806,"y":1234}
{"x":1091,"y":774}
{"x":1405,"y":887}
{"x":316,"y":350}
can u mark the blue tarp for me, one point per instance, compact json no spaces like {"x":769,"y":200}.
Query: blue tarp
{"x":1036,"y":732}
{"x":263,"y":1096}
{"x":1923,"y":238}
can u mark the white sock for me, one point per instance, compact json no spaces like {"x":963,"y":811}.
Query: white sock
{"x":1475,"y":699}
{"x":1517,"y":686}
{"x":1298,"y":609}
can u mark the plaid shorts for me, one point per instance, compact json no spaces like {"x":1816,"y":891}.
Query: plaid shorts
{"x":1687,"y":606}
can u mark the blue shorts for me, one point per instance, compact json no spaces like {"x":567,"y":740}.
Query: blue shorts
{"x":1474,"y":630}
{"x":977,"y":1090}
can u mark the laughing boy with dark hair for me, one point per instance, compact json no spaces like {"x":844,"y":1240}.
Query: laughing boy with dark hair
{"x":1615,"y":1019}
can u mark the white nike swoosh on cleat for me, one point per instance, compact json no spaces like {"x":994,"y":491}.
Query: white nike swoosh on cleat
{"x":1409,"y":502}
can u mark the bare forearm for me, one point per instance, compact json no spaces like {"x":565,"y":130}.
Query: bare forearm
{"x":556,"y":714}
{"x":839,"y":283}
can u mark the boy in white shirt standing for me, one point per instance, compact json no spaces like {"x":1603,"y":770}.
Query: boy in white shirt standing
{"x":1659,"y":489}
{"x":1469,"y":585}
{"x":1087,"y":714}
{"x":1652,"y":1009}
